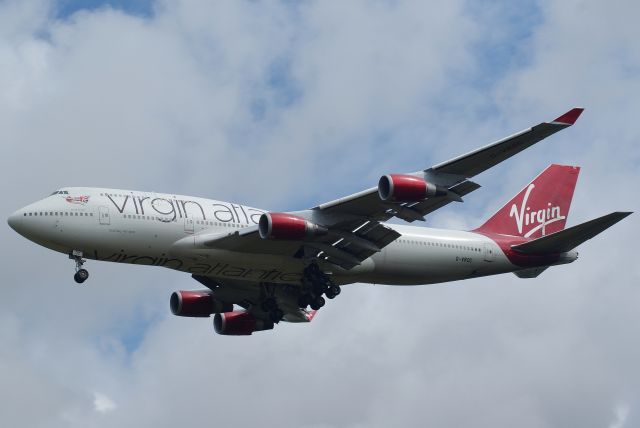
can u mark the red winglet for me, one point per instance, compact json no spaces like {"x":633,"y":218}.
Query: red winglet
{"x":310,"y":314}
{"x":570,"y":117}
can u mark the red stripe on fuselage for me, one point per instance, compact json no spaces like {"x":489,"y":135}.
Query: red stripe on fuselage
{"x":517,"y":258}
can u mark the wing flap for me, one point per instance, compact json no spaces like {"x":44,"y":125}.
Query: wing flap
{"x":432,"y":204}
{"x":371,"y":232}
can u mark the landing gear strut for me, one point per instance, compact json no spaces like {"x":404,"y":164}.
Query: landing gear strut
{"x":270,"y":305}
{"x":81,"y":274}
{"x":316,"y":284}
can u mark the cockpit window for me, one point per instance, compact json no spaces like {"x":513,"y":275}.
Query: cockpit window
{"x":59,"y":192}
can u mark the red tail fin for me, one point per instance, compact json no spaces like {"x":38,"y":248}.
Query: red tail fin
{"x":540,"y":208}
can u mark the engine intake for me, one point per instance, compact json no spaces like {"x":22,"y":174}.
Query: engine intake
{"x":239,"y":323}
{"x":407,"y":188}
{"x":196,"y":304}
{"x":287,"y":227}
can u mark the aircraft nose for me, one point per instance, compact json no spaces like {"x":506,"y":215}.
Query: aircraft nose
{"x":15,"y":220}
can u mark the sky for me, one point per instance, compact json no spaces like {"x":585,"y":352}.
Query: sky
{"x":283,"y":105}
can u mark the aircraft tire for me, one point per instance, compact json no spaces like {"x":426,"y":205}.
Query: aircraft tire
{"x":81,"y":276}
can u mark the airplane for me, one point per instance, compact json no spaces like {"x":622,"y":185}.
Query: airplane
{"x":280,"y":266}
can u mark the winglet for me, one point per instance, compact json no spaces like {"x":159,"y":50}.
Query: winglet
{"x":570,"y":117}
{"x":310,"y":314}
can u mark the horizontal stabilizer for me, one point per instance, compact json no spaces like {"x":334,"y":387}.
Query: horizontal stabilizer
{"x":530,"y":272}
{"x":567,"y":239}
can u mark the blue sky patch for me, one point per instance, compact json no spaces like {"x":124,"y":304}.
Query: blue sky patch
{"x":66,"y":8}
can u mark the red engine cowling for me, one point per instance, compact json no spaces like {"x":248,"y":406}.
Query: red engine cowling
{"x":407,"y":188}
{"x":196,"y":304}
{"x":287,"y":227}
{"x":239,"y":323}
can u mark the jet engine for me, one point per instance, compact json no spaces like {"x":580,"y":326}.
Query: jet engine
{"x":407,"y":188}
{"x":196,"y":304}
{"x":239,"y":323}
{"x":287,"y":227}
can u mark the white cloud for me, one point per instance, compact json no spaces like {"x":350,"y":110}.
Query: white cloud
{"x":621,"y":412}
{"x":285,"y":105}
{"x":102,"y":403}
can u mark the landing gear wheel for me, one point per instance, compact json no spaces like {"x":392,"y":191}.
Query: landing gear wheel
{"x":276,"y":315}
{"x":81,"y":276}
{"x":304,"y":300}
{"x":318,"y":289}
{"x":329,"y":294}
{"x":335,"y":290}
{"x":317,"y":303}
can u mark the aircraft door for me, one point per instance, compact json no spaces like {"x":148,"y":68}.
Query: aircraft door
{"x":188,"y":225}
{"x":489,"y":253}
{"x":103,"y":215}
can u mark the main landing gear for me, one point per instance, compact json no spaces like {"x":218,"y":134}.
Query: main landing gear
{"x":269,"y":303}
{"x":315,"y":284}
{"x":81,"y":274}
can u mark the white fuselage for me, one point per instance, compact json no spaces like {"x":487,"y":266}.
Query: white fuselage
{"x":141,"y":227}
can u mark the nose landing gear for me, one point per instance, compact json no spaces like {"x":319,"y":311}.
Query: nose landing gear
{"x":81,"y":274}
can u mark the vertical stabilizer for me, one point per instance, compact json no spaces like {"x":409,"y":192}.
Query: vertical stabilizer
{"x":540,"y":208}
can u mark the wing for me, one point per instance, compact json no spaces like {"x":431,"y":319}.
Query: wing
{"x":249,"y":294}
{"x":353,"y":224}
{"x":452,"y":174}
